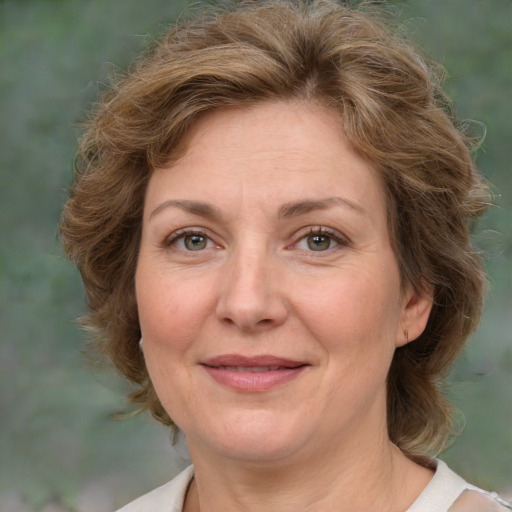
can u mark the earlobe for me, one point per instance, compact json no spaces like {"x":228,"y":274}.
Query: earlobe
{"x":418,"y":304}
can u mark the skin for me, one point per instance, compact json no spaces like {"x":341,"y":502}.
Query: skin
{"x":266,"y":177}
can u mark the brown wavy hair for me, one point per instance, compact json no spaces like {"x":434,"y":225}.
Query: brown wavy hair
{"x":395,"y":115}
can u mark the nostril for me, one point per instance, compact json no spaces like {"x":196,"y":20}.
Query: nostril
{"x":248,"y":324}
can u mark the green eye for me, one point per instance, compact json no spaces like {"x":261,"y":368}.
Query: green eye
{"x":319,"y":242}
{"x":195,"y":242}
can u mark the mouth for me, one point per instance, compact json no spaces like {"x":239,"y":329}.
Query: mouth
{"x":250,"y":369}
{"x":252,"y":374}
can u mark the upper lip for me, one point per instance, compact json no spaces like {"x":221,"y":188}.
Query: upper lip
{"x":254,"y":361}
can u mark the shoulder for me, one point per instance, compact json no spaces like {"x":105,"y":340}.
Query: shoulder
{"x":167,"y":498}
{"x":479,"y":501}
{"x":447,"y":491}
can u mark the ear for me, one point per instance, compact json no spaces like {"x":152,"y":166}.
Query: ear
{"x":417,"y":304}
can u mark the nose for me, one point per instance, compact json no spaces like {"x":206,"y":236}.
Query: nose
{"x":251,"y":294}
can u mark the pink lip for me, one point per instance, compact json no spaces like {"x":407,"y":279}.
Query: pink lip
{"x":252,"y":374}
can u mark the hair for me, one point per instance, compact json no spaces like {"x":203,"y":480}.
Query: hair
{"x":392,"y":110}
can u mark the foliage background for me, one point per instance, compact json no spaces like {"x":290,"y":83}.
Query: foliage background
{"x":59,"y":447}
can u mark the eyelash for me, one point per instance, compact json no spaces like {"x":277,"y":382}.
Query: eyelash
{"x":183,"y":233}
{"x":318,"y":231}
{"x":321,"y":231}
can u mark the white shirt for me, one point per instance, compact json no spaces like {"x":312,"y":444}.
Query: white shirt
{"x":446,"y":492}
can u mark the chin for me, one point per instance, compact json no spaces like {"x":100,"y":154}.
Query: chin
{"x":254,"y":438}
{"x":258,"y":451}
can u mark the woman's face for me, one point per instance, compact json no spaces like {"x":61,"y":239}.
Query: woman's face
{"x":268,"y":292}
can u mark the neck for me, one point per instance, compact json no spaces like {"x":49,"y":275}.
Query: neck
{"x":350,"y":478}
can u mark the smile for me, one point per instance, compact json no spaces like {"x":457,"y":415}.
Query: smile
{"x":256,"y":374}
{"x":253,"y":369}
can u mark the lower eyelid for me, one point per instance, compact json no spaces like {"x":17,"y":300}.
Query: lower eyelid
{"x":179,"y":235}
{"x":339,"y":239}
{"x":334,"y":243}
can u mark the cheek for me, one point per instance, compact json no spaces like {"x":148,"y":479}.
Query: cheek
{"x":171,"y":311}
{"x":358,"y":309}
{"x":171,"y":320}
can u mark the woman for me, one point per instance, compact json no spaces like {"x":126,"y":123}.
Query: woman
{"x":270,"y":216}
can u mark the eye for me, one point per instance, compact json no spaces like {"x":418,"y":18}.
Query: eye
{"x":191,"y":241}
{"x":319,"y":240}
{"x":195,"y":242}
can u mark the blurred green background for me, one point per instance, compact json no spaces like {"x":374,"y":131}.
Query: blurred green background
{"x":60,"y":449}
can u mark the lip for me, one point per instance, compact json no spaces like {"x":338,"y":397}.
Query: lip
{"x":253,"y":374}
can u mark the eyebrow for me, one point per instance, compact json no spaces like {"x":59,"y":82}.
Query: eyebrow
{"x":291,"y":209}
{"x":195,"y":207}
{"x":296,"y":208}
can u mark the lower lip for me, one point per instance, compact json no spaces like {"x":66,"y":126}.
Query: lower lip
{"x":253,"y":382}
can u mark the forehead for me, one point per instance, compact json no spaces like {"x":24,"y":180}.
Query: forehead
{"x":269,"y":152}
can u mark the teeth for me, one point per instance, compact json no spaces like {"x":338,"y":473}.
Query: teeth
{"x":250,"y":369}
